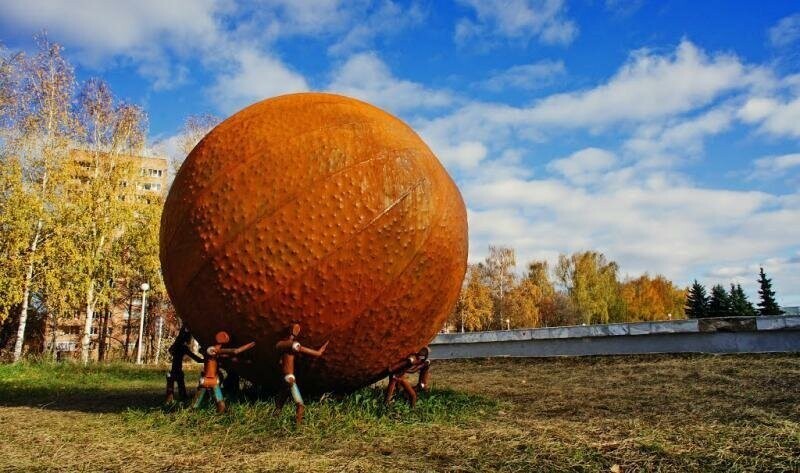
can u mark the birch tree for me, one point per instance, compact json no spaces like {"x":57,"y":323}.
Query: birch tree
{"x":17,"y":210}
{"x":194,"y":129}
{"x":103,"y":195}
{"x":474,"y":309}
{"x":591,"y":283}
{"x":38,"y":126}
{"x":499,"y":265}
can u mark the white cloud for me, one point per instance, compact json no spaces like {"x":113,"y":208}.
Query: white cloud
{"x":775,"y":166}
{"x":366,"y":77}
{"x":584,"y":166}
{"x":648,"y":87}
{"x":786,"y":31}
{"x":526,"y":76}
{"x":307,"y":16}
{"x":386,"y":19}
{"x":145,"y":31}
{"x":667,"y":144}
{"x":652,"y":91}
{"x":517,"y":20}
{"x":657,"y":228}
{"x":776,"y":117}
{"x":783,"y":271}
{"x":757,"y":109}
{"x":623,"y":7}
{"x":257,"y":76}
{"x":161,"y":37}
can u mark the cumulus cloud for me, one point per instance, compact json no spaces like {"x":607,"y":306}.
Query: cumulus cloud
{"x":786,"y":31}
{"x":668,"y":229}
{"x":146,"y":31}
{"x":628,"y":198}
{"x":522,"y":20}
{"x":160,"y":38}
{"x":648,"y":86}
{"x":526,"y":76}
{"x":385,"y":19}
{"x":775,"y":166}
{"x":667,"y":144}
{"x":256,"y":76}
{"x":776,"y":117}
{"x":365,"y":76}
{"x":584,"y":166}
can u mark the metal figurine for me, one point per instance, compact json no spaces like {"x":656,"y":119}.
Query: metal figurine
{"x":414,"y":363}
{"x":289,"y":348}
{"x":209,"y":381}
{"x":179,"y":349}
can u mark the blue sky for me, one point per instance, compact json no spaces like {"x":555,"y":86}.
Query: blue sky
{"x":665,"y":134}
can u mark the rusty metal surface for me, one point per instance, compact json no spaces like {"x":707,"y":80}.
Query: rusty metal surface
{"x":320,"y":210}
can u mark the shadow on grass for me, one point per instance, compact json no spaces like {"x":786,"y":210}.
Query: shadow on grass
{"x":83,"y":400}
{"x":97,"y":388}
{"x":138,"y":391}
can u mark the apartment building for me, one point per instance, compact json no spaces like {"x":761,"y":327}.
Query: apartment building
{"x":120,"y":323}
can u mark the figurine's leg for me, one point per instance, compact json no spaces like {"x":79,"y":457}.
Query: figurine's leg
{"x":424,"y":378}
{"x":390,"y":389}
{"x":179,"y":378}
{"x":298,"y":401}
{"x":198,"y":397}
{"x":170,"y":388}
{"x":412,"y":395}
{"x":219,"y":399}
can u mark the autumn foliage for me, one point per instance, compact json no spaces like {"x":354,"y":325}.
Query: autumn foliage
{"x":583,"y":288}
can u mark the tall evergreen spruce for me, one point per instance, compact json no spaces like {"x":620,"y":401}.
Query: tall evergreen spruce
{"x":767,"y":305}
{"x":740,"y":305}
{"x":720,"y":304}
{"x":696,"y":301}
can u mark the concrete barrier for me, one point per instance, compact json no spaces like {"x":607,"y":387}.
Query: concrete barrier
{"x":713,"y":335}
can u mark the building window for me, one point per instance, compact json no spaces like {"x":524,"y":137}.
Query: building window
{"x":147,"y":172}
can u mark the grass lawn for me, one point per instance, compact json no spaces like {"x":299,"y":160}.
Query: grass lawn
{"x":644,"y":413}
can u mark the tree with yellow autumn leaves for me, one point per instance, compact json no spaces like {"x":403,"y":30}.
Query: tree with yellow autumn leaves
{"x":583,"y":288}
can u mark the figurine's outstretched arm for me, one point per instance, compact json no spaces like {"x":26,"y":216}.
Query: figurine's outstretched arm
{"x":194,"y":356}
{"x":244,"y":348}
{"x":310,"y":351}
{"x":236,"y":351}
{"x":403,"y":364}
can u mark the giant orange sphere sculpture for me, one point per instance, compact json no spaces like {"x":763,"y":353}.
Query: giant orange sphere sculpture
{"x":322,"y":210}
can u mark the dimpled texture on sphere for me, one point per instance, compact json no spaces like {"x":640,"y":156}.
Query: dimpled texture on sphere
{"x":321,"y":210}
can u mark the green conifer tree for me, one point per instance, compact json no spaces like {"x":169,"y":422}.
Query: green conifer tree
{"x":720,"y":304}
{"x":696,"y":301}
{"x":740,"y":305}
{"x":767,"y":305}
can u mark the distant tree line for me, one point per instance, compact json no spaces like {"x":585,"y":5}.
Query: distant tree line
{"x":734,"y":302}
{"x":583,"y":288}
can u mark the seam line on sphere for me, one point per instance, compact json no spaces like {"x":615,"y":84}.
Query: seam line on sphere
{"x":348,"y":240}
{"x":311,"y":265}
{"x":263,"y":214}
{"x":223,"y":173}
{"x":411,"y":260}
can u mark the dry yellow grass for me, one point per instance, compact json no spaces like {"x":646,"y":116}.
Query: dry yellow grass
{"x":648,"y":413}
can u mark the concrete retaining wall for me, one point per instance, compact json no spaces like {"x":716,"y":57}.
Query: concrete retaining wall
{"x":720,"y":335}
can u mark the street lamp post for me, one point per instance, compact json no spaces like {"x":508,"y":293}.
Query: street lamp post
{"x":145,"y":288}
{"x":159,"y":329}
